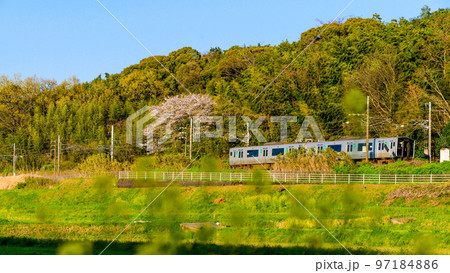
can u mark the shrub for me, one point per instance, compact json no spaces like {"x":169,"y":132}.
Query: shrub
{"x":35,"y":183}
{"x":98,"y":163}
{"x":161,"y":161}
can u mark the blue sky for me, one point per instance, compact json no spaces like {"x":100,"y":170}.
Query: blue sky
{"x":60,"y":39}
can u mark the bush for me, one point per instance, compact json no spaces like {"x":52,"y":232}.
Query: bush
{"x":35,"y":183}
{"x":99,"y":163}
{"x":161,"y":161}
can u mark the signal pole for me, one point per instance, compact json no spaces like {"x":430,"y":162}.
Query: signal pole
{"x":367,"y":130}
{"x":112,"y":142}
{"x":14,"y":159}
{"x":429,"y":132}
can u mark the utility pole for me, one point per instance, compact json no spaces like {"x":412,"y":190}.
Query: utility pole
{"x":367,"y":130}
{"x":112,"y":142}
{"x":14,"y":159}
{"x":53,"y":150}
{"x":59,"y":151}
{"x":190,"y":141}
{"x":429,"y":132}
{"x":185,"y":141}
{"x":54,"y":158}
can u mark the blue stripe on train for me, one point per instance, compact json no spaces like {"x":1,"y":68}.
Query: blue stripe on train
{"x":372,"y":153}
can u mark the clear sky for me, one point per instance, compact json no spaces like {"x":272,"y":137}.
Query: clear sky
{"x":60,"y":39}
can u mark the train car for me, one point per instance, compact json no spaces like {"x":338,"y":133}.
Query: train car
{"x":379,"y":149}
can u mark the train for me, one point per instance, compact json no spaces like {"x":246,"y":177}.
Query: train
{"x":392,"y":148}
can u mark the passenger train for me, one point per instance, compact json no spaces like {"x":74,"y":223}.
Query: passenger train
{"x":379,"y":149}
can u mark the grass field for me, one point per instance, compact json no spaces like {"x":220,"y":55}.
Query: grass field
{"x":81,"y":216}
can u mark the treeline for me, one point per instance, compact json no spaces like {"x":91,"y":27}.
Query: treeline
{"x":400,"y":64}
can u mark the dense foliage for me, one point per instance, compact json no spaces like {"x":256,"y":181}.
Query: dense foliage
{"x":400,"y":64}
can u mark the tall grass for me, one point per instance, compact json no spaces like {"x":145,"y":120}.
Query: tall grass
{"x":310,"y":161}
{"x":255,"y":215}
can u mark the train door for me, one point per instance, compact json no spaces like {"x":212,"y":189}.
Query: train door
{"x":400,"y":148}
{"x":405,"y":148}
{"x":408,"y":150}
{"x":349,"y":147}
{"x":319,"y":147}
{"x":372,"y":149}
{"x":240,"y":154}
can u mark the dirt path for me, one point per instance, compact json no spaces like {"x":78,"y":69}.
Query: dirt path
{"x":10,"y":182}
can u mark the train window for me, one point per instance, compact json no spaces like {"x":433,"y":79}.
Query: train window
{"x":379,"y":146}
{"x":231,"y":153}
{"x":391,"y":145}
{"x":337,"y":148}
{"x":277,"y":151}
{"x":360,"y":146}
{"x":252,"y":153}
{"x":241,"y":154}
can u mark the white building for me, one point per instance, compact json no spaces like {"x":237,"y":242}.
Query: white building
{"x":445,"y":154}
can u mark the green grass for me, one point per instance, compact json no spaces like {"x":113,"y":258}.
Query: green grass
{"x":258,"y":219}
{"x":399,"y":167}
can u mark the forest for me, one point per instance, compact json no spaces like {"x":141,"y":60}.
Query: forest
{"x":402,"y":65}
